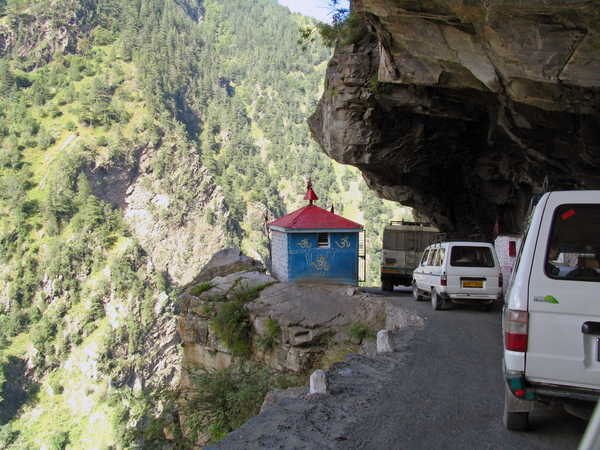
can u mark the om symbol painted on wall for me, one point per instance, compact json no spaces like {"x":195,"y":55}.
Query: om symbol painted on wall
{"x":321,"y":264}
{"x":343,"y":243}
{"x":304,"y":243}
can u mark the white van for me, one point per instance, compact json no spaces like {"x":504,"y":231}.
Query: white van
{"x":551,"y":318}
{"x":464,"y":270}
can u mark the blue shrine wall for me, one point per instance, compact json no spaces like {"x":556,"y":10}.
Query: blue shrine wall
{"x":337,"y":264}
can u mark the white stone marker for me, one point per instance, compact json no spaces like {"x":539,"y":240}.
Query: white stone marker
{"x":385,"y":342}
{"x":319,"y":383}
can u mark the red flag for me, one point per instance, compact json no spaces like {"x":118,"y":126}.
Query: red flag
{"x":496,"y":227}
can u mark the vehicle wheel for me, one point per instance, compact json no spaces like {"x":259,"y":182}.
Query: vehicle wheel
{"x":486,"y":307}
{"x":418,"y":297}
{"x":515,"y":421}
{"x":436,"y":300}
{"x":390,"y":286}
{"x":384,"y":285}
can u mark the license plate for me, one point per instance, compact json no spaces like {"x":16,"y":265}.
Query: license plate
{"x":472,"y":284}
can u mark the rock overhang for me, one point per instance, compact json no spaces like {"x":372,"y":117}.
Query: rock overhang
{"x":461,"y":109}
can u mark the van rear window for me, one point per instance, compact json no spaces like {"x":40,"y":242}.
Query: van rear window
{"x":470,"y":256}
{"x":573,"y":246}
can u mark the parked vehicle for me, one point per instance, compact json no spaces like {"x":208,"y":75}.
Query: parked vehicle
{"x":459,"y":269}
{"x":507,"y":247}
{"x":403,"y":243}
{"x":551,"y":316}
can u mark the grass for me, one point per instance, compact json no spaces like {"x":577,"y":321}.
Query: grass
{"x":77,"y":408}
{"x":267,"y":342}
{"x":232,"y":324}
{"x":200,"y":288}
{"x":335,"y":352}
{"x":360,"y":331}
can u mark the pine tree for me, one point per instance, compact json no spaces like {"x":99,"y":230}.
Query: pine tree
{"x":6,"y":78}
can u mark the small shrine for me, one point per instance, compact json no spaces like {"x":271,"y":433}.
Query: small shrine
{"x":315,"y":245}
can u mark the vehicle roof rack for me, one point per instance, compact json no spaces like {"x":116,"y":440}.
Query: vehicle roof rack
{"x":570,"y":183}
{"x":404,"y":222}
{"x":445,"y":237}
{"x":561,"y":183}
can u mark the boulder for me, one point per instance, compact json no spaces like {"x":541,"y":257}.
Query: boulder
{"x":225,"y":262}
{"x":385,"y":342}
{"x":319,"y":383}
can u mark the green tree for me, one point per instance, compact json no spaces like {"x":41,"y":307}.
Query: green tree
{"x":7,"y":80}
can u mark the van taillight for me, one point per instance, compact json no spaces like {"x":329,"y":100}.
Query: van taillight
{"x":516,"y":330}
{"x":443,"y":280}
{"x":500,"y":284}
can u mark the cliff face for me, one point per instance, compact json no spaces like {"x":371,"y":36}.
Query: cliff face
{"x":313,"y":322}
{"x":461,"y":108}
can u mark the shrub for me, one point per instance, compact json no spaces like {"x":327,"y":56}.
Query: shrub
{"x":102,"y":141}
{"x":17,"y":320}
{"x":267,"y":342}
{"x":70,"y":125}
{"x":7,"y":435}
{"x":232,"y":323}
{"x":119,"y":420}
{"x":102,"y":287}
{"x":34,"y":314}
{"x":207,"y":310}
{"x":232,"y":326}
{"x":62,"y":347}
{"x":210,"y":216}
{"x":200,"y":288}
{"x":57,"y":389}
{"x":53,"y":110}
{"x":89,"y":328}
{"x":75,"y":338}
{"x":378,"y":87}
{"x":59,"y":440}
{"x":218,"y":402}
{"x":146,"y":309}
{"x":360,"y":331}
{"x":93,"y":312}
{"x":42,"y":333}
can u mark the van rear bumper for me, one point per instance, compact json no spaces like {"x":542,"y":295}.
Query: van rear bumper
{"x":470,"y":297}
{"x":547,"y":392}
{"x":527,"y":391}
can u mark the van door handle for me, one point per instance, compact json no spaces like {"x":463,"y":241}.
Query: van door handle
{"x":590,"y":328}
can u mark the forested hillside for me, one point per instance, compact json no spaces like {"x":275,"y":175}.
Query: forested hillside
{"x":138,"y":137}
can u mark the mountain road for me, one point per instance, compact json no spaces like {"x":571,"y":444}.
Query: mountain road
{"x":441,"y":389}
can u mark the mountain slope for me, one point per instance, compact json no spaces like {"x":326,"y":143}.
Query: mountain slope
{"x":137,"y":138}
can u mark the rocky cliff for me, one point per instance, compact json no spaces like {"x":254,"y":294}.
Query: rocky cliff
{"x":460,"y":109}
{"x":310,"y":319}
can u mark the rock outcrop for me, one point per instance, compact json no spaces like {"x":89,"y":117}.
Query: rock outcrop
{"x":178,"y":247}
{"x":308,"y":317}
{"x":460,"y":109}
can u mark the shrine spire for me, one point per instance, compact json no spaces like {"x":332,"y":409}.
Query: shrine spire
{"x":310,"y":194}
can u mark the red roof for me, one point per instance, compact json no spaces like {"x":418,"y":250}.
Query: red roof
{"x":313,"y":217}
{"x":310,"y":195}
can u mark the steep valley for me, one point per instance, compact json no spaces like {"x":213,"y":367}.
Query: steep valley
{"x":137,"y":139}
